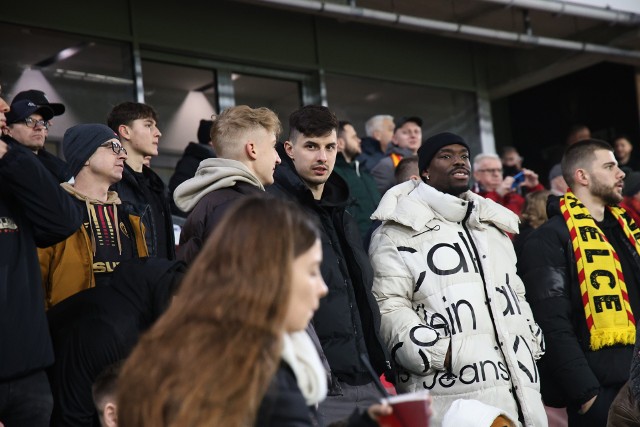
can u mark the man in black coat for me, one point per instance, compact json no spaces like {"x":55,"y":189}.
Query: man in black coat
{"x":34,"y":210}
{"x":141,"y":188}
{"x":348,"y":319}
{"x":576,"y":293}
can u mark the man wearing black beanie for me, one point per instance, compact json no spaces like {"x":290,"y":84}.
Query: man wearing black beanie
{"x":188,"y":164}
{"x":95,"y":159}
{"x":453,"y":310}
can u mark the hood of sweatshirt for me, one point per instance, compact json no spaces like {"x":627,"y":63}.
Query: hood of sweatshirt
{"x":212,"y":174}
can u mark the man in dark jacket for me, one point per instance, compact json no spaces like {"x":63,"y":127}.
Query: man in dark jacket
{"x":53,"y":163}
{"x":379,"y":130}
{"x":244,"y":139}
{"x":34,"y":210}
{"x":364,"y":194}
{"x":188,"y":164}
{"x":348,"y":319}
{"x":581,"y":270}
{"x":142,"y":189}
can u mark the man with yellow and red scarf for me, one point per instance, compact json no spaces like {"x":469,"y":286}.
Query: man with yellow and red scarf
{"x":581,"y":270}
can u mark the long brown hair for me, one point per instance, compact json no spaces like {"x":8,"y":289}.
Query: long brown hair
{"x":210,"y":358}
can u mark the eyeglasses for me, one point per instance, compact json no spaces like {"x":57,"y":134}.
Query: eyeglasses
{"x":115,"y":146}
{"x":32,"y":123}
{"x":491,"y":171}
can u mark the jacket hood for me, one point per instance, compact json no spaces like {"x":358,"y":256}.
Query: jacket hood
{"x":335,"y":192}
{"x":112,"y":199}
{"x":212,"y":174}
{"x":414,"y":204}
{"x":112,"y":196}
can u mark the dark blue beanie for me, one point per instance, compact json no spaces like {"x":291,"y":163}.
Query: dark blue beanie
{"x":81,"y":141}
{"x":431,"y":146}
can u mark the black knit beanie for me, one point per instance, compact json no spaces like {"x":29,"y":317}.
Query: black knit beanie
{"x":81,"y":141}
{"x":204,"y":131}
{"x":432,"y":145}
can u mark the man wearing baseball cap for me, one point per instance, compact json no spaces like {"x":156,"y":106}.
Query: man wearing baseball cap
{"x":34,"y":211}
{"x":95,"y":159}
{"x":453,"y":310}
{"x":28,"y":123}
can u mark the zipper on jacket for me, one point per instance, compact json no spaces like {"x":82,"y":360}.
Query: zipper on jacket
{"x":486,"y":295}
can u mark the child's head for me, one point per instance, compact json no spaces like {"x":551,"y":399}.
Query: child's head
{"x":104,"y":395}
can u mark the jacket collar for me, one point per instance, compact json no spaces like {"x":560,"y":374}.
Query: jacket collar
{"x":414,"y":204}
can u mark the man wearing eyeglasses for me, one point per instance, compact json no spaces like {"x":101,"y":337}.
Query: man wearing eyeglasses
{"x":53,"y":163}
{"x":34,"y":211}
{"x":109,"y":235}
{"x":490,"y":183}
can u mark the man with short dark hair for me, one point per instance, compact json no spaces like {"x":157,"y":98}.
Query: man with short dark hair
{"x":582,"y":269}
{"x":34,"y":210}
{"x":362,"y":188}
{"x":407,"y":138}
{"x":453,"y":310}
{"x":347,"y":322}
{"x":105,"y":396}
{"x":144,"y":191}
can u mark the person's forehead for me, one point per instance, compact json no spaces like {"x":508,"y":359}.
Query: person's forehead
{"x":320,"y":140}
{"x":489,"y":161}
{"x":35,"y":116}
{"x":604,"y":155}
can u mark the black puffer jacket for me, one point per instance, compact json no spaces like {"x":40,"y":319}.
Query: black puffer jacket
{"x":570,"y":372}
{"x":348,"y":319}
{"x":140,"y":200}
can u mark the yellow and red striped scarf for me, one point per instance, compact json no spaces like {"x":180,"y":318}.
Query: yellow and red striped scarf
{"x":602,"y":286}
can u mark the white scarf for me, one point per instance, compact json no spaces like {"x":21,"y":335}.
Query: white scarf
{"x":302,"y":357}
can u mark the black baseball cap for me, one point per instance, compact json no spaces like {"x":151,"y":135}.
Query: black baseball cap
{"x":22,"y":109}
{"x":39,"y":98}
{"x":410,"y":119}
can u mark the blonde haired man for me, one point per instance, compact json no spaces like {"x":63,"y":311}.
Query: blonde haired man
{"x":244,"y":139}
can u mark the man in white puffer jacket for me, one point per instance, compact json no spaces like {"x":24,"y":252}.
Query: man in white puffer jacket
{"x":454,"y":314}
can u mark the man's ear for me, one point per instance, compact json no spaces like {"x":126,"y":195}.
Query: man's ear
{"x":250,"y":150}
{"x":340,"y":144}
{"x":425,"y":174}
{"x":288,"y":148}
{"x":124,"y":131}
{"x":581,"y":176}
{"x":110,"y":415}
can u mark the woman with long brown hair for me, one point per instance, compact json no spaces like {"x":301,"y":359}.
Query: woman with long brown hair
{"x":242,"y":310}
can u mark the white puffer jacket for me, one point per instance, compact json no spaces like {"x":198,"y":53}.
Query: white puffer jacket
{"x":445,"y":275}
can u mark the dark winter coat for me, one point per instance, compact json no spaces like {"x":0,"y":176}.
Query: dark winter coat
{"x":34,"y":210}
{"x":570,"y":372}
{"x":141,"y":200}
{"x":362,"y":188}
{"x":284,"y":406}
{"x":98,"y":327}
{"x":371,"y":153}
{"x":348,"y":320}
